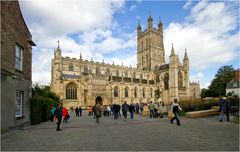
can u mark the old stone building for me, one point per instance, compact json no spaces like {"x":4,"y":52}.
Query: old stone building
{"x":195,"y":90}
{"x":80,"y":82}
{"x":16,"y":66}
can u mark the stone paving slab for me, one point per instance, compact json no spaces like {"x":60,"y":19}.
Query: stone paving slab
{"x":139,"y":134}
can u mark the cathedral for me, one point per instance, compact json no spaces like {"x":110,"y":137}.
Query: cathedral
{"x":79,"y":82}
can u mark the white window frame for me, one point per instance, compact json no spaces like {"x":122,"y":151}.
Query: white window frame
{"x":19,"y":107}
{"x":18,"y":59}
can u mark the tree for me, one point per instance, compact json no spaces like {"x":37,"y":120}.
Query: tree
{"x":219,"y":83}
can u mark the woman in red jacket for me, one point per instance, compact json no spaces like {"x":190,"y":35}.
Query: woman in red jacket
{"x":65,"y":114}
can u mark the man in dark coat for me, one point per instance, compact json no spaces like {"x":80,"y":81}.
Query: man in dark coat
{"x":58,"y":114}
{"x":115,"y":111}
{"x":131,"y":110}
{"x":125,"y":109}
{"x":224,"y":108}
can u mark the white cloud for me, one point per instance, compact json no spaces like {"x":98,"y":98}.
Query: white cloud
{"x":187,"y":4}
{"x":133,"y":7}
{"x":50,"y":21}
{"x":206,"y":34}
{"x":196,"y":77}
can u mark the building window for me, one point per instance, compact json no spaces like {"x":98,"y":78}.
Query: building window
{"x":98,"y":73}
{"x":71,"y":67}
{"x":180,"y":79}
{"x":117,"y":73}
{"x":71,"y":91}
{"x":151,"y":91}
{"x":166,"y":79}
{"x":126,"y":74}
{"x":126,"y":92}
{"x":18,"y":57}
{"x":143,"y":92}
{"x":116,"y":91}
{"x":135,"y":92}
{"x":19,"y":104}
{"x":146,"y":42}
{"x":85,"y":69}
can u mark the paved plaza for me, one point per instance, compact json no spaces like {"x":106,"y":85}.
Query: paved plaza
{"x":139,"y":134}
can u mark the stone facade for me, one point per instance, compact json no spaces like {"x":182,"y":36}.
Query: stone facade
{"x":80,"y":82}
{"x":195,"y":90}
{"x":15,"y":78}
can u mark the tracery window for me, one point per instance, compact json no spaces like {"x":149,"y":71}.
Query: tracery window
{"x":71,"y":91}
{"x":180,"y":79}
{"x":116,"y":91}
{"x":126,"y":91}
{"x":71,"y":67}
{"x":166,"y":79}
{"x":135,"y":92}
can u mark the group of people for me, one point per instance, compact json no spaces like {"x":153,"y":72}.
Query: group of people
{"x":60,"y":112}
{"x":78,"y":111}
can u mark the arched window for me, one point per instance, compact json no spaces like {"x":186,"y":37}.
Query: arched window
{"x":98,"y":73}
{"x":126,"y":91}
{"x":166,"y":79}
{"x":143,"y":92}
{"x":116,"y":91}
{"x":71,"y":91}
{"x":126,"y":74}
{"x":135,"y":92}
{"x":108,"y":71}
{"x":180,"y":79}
{"x":134,"y":74}
{"x":71,"y":67}
{"x":85,"y":70}
{"x":117,"y":73}
{"x":151,"y":91}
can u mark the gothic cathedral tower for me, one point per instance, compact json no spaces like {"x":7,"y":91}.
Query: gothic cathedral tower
{"x":150,"y":48}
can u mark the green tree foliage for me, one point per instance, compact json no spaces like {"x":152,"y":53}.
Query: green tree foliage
{"x":219,"y":83}
{"x":40,"y":103}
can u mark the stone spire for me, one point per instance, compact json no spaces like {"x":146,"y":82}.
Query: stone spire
{"x":139,"y":28}
{"x":150,"y":20}
{"x":80,"y":55}
{"x":172,"y":51}
{"x":160,"y":23}
{"x":185,"y":55}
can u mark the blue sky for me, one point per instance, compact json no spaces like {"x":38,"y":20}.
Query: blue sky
{"x":209,"y":30}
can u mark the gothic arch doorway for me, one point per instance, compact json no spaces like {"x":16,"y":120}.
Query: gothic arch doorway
{"x":99,"y":100}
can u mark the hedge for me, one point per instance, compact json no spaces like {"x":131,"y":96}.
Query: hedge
{"x":40,"y":109}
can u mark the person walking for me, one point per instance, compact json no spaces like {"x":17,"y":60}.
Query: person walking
{"x":80,"y":111}
{"x":58,"y":114}
{"x":52,"y":111}
{"x":90,"y":110}
{"x":131,"y":110}
{"x":76,"y":111}
{"x":151,"y":109}
{"x":224,"y":108}
{"x":137,"y":108}
{"x":175,"y":107}
{"x":98,"y":112}
{"x":65,"y":114}
{"x":115,"y":109}
{"x":125,"y":109}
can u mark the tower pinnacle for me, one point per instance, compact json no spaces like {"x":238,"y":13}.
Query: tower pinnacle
{"x":172,"y":51}
{"x":185,"y":55}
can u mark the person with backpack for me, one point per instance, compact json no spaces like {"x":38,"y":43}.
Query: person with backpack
{"x":131,"y":110}
{"x":224,"y":108}
{"x":98,"y":112}
{"x":175,"y":107}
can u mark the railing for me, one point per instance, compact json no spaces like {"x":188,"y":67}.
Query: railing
{"x":234,"y":109}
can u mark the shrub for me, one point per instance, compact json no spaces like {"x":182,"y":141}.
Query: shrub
{"x":196,"y":105}
{"x":40,"y":104}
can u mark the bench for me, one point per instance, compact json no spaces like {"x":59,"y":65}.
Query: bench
{"x":203,"y":113}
